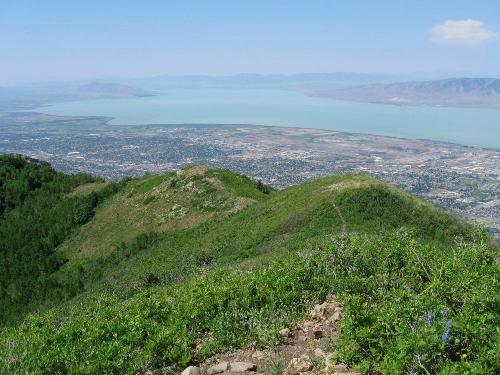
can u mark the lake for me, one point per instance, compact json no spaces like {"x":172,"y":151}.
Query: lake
{"x":468,"y":126}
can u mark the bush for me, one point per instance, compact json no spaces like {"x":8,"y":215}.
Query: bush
{"x":408,"y":306}
{"x":32,"y":225}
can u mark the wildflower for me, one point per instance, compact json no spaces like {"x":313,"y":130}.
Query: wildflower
{"x":430,"y":316}
{"x":464,"y":356}
{"x":447,"y":331}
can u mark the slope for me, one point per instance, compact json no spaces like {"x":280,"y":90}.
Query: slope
{"x":160,"y":204}
{"x":234,"y":275}
{"x":282,"y":223}
{"x":36,"y":215}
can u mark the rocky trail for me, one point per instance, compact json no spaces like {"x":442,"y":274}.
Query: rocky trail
{"x":307,"y":349}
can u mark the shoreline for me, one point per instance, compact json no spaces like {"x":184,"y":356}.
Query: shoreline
{"x":108,"y":119}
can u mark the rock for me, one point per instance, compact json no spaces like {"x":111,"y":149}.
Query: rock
{"x":315,"y":333}
{"x":334,"y":335}
{"x":336,"y":316}
{"x":299,"y":365}
{"x":307,"y":325}
{"x":338,"y":370}
{"x":301,"y":338}
{"x":319,"y":353}
{"x":285,"y":332}
{"x":318,"y":311}
{"x":191,"y":370}
{"x":259,"y":355}
{"x":242,"y":366}
{"x":321,"y":311}
{"x":219,"y":368}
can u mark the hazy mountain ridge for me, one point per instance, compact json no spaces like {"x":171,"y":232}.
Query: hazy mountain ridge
{"x":376,"y":88}
{"x":112,"y":90}
{"x":459,"y":92}
{"x":297,"y":81}
{"x":14,"y":98}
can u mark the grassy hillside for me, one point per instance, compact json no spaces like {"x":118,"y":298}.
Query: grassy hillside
{"x":209,"y":227}
{"x":36,"y":215}
{"x":158,"y":204}
{"x":113,"y":252}
{"x":177,"y":267}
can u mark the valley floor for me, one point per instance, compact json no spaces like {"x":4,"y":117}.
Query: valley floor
{"x":463,"y":180}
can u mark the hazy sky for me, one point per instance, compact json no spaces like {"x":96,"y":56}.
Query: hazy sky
{"x":85,"y":39}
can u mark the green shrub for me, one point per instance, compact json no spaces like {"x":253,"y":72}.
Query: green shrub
{"x":423,"y":299}
{"x":32,"y":226}
{"x":407,"y":306}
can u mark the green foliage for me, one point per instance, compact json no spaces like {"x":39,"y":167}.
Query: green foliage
{"x":420,"y":288}
{"x":19,"y":176}
{"x":267,"y":229}
{"x":240,"y":184}
{"x":73,"y":280}
{"x":263,"y":188}
{"x":149,"y":183}
{"x":387,"y":283}
{"x":161,"y":326}
{"x":411,"y":306}
{"x":276,"y":366}
{"x":37,"y":221}
{"x":384,"y":207}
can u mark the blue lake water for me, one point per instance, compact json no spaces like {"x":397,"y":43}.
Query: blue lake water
{"x":469,"y":126}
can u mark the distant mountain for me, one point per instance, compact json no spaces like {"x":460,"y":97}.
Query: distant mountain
{"x":455,"y":92}
{"x":113,"y":90}
{"x":34,"y":96}
{"x":248,"y":80}
{"x":301,"y":82}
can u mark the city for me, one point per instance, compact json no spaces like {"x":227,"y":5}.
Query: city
{"x":463,"y":180}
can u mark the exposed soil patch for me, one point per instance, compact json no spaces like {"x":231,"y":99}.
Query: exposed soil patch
{"x":306,"y":350}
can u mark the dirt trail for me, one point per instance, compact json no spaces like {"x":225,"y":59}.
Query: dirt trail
{"x":307,"y":349}
{"x":342,"y":219}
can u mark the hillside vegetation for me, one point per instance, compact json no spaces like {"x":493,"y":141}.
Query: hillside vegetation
{"x":173,"y":269}
{"x":36,"y":216}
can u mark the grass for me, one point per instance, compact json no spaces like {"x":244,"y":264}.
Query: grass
{"x":87,"y":188}
{"x":149,"y":183}
{"x":267,"y":229}
{"x":387,"y":293}
{"x":162,"y":300}
{"x":156,"y":204}
{"x":276,"y":366}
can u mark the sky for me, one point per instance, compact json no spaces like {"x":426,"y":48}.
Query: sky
{"x":53,"y":40}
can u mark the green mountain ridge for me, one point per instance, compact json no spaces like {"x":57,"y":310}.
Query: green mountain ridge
{"x":169,"y":270}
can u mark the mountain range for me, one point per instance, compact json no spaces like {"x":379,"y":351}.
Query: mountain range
{"x":373,"y":88}
{"x":29,"y":97}
{"x":453,"y":92}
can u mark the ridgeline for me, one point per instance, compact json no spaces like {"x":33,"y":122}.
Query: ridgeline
{"x":154,"y":274}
